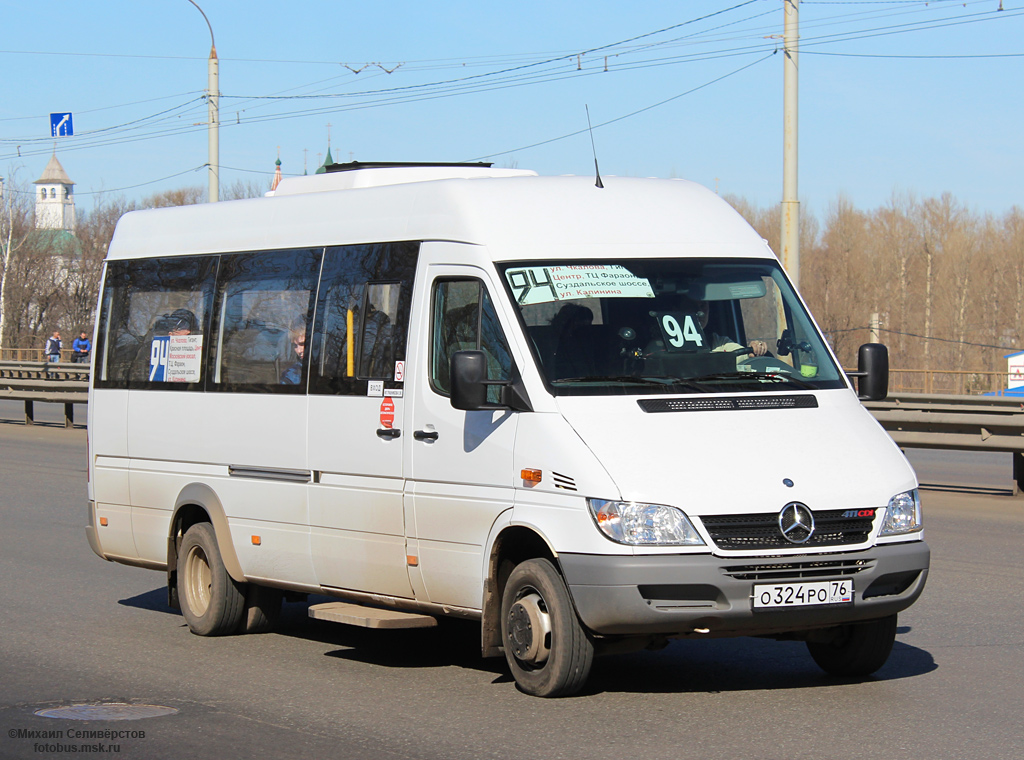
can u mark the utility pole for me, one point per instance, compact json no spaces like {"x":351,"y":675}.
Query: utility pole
{"x":213,"y":100}
{"x":790,"y":242}
{"x":874,"y":328}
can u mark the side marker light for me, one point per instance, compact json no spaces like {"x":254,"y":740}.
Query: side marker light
{"x":531,"y":476}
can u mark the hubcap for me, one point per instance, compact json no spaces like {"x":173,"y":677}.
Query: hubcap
{"x":198,"y":581}
{"x":529,"y":629}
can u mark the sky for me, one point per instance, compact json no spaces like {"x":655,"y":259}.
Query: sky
{"x":895,"y":96}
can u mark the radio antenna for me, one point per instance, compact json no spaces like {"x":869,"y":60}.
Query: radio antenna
{"x":593,"y":147}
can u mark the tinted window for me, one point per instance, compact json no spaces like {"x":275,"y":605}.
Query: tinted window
{"x":362,"y":316}
{"x":263,"y":312}
{"x":154,"y":322}
{"x":464,"y":319}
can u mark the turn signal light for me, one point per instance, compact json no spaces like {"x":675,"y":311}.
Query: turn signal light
{"x":531,"y":476}
{"x":256,"y":541}
{"x":103,"y":521}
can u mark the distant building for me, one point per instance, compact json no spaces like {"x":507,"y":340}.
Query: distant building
{"x":54,"y":233}
{"x":277,"y":173}
{"x":327,"y":161}
{"x":55,"y":198}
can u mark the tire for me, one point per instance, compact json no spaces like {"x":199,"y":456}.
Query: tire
{"x":262,"y":609}
{"x":859,"y":649}
{"x":211,"y":601}
{"x":548,"y":651}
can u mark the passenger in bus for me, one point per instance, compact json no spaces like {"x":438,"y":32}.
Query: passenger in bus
{"x":377,"y":348}
{"x":293,"y":374}
{"x":178,"y":322}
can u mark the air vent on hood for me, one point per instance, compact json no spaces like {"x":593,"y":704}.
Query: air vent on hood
{"x":727,"y":403}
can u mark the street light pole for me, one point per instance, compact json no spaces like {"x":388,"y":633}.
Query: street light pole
{"x":213,"y":100}
{"x":790,"y":242}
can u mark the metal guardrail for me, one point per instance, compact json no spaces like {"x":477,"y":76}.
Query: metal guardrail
{"x":914,"y":420}
{"x":961,"y":423}
{"x":56,"y":383}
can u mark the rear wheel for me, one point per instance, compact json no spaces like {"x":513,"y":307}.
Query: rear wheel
{"x":858,"y":650}
{"x":211,"y":601}
{"x":547,"y":649}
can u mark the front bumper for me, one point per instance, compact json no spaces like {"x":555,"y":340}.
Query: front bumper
{"x":678,"y":595}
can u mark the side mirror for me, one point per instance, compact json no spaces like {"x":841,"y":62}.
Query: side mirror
{"x":872,"y":372}
{"x":468,"y":374}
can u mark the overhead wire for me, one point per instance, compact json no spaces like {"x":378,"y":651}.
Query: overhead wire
{"x":915,"y":335}
{"x":550,"y":69}
{"x":628,"y":115}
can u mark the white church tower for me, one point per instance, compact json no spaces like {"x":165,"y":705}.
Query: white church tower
{"x":55,"y":198}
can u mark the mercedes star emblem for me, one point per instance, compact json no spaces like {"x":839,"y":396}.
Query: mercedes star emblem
{"x":796,"y":522}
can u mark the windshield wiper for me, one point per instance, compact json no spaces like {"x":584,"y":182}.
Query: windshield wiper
{"x":661,"y":381}
{"x":777,"y":377}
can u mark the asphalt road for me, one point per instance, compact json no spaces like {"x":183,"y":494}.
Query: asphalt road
{"x":77,"y":630}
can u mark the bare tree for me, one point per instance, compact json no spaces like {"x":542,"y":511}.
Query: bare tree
{"x":183,"y":196}
{"x":15,"y":224}
{"x":834,"y":278}
{"x":240,"y":189}
{"x":895,"y":244}
{"x":94,"y":233}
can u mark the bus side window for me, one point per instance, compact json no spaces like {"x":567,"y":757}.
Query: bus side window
{"x":264,"y":308}
{"x":362,"y":316}
{"x":377,"y":337}
{"x":464,"y":319}
{"x":141,"y":300}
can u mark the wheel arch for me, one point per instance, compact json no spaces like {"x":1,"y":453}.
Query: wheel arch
{"x":196,"y":503}
{"x":513,"y":544}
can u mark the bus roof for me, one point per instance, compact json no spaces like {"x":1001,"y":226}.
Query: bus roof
{"x":517,"y":215}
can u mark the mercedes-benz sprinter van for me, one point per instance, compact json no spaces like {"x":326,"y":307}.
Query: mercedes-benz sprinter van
{"x":592,"y":418}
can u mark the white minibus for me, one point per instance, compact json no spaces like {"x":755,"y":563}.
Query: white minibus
{"x":593,"y":418}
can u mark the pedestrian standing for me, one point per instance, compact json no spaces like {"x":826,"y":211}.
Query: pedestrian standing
{"x":80,"y":349}
{"x":53,"y":347}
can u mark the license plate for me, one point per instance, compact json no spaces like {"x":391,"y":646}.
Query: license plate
{"x":802,"y":594}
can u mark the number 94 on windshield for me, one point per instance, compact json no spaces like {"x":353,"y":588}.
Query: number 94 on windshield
{"x":802,"y":594}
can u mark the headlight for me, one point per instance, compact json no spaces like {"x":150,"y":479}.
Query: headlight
{"x":643,"y":524}
{"x":903,"y":515}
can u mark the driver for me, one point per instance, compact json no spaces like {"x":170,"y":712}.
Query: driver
{"x":719,"y":343}
{"x":723,"y":342}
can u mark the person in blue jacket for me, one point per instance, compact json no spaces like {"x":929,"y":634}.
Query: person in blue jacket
{"x":80,"y":349}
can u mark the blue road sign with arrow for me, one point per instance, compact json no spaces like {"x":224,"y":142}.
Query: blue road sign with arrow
{"x":60,"y":125}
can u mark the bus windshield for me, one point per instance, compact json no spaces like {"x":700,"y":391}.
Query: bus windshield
{"x":641,"y":326}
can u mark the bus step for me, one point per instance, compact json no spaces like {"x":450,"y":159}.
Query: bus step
{"x":369,"y":617}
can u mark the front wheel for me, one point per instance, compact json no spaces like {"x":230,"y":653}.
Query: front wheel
{"x":858,"y":650}
{"x":547,"y":649}
{"x":211,"y":601}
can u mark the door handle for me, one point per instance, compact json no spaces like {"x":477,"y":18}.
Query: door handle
{"x":389,"y":433}
{"x":425,"y":435}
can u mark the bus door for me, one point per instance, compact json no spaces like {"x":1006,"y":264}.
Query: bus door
{"x":356,"y":399}
{"x":461,"y":462}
